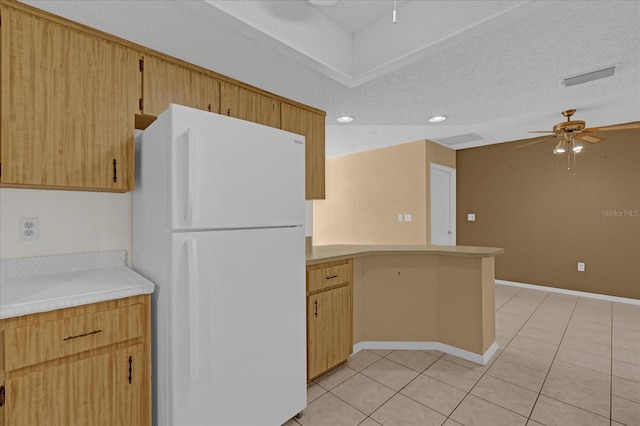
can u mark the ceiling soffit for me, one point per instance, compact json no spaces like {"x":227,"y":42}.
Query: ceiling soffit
{"x":301,"y":31}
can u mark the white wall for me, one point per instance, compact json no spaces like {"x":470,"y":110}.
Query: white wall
{"x":70,"y":222}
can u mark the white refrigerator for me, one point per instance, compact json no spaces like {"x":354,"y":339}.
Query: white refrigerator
{"x":218,"y":226}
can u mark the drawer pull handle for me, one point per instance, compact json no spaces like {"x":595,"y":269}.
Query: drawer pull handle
{"x":332,"y":277}
{"x":316,"y":312}
{"x":1,"y":396}
{"x":82,"y":335}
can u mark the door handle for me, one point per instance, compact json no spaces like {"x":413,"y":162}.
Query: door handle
{"x":190,"y":165}
{"x":194,"y":314}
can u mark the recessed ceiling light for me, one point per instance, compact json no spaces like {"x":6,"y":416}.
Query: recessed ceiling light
{"x":437,"y":118}
{"x":345,"y":119}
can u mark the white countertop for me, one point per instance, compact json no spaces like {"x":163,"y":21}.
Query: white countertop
{"x":65,"y":281}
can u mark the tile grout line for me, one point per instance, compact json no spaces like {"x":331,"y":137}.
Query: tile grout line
{"x":611,"y":376}
{"x":573,"y":312}
{"x":553,"y":360}
{"x":483,"y":374}
{"x":398,"y":391}
{"x":367,"y":416}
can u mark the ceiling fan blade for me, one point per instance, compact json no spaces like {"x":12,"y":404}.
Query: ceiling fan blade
{"x":623,"y":126}
{"x":535,"y":141}
{"x":585,"y":137}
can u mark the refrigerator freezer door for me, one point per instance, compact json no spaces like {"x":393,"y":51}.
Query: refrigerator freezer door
{"x":229,"y":173}
{"x":237,"y":319}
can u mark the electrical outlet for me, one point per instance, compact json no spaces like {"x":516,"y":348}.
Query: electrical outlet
{"x":29,"y":228}
{"x":471,"y":217}
{"x":580,"y":266}
{"x":407,"y":218}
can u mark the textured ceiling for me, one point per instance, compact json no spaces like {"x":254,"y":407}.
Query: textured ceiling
{"x":495,"y":72}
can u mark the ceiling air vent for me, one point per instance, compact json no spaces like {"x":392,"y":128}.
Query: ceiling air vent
{"x":455,"y":140}
{"x":588,"y":76}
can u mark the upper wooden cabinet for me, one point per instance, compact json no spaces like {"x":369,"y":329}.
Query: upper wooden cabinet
{"x":241,"y":102}
{"x":68,"y":105}
{"x":165,"y":82}
{"x":71,"y":97}
{"x":311,"y":126}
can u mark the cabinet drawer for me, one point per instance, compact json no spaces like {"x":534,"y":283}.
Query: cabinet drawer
{"x":328,"y":277}
{"x":35,"y":343}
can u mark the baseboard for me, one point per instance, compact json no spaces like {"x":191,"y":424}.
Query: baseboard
{"x":571,"y":292}
{"x":481,"y":359}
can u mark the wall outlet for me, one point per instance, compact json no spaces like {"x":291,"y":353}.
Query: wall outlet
{"x":407,"y":218}
{"x":471,"y":217}
{"x":29,"y":228}
{"x":580,"y":266}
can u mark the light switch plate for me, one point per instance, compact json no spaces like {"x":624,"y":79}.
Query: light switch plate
{"x":471,"y":217}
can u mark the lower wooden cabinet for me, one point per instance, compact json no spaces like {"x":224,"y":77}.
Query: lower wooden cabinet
{"x":88,"y":365}
{"x":329,"y":316}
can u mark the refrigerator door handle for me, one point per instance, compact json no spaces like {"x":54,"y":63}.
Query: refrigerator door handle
{"x":194,"y":314}
{"x":190,"y":159}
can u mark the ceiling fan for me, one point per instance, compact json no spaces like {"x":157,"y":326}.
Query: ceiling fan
{"x":572,"y":132}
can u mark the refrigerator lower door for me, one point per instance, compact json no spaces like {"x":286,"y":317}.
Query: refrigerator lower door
{"x":237,"y":335}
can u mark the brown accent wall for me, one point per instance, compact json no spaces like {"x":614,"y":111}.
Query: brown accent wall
{"x":548,"y":218}
{"x":366,"y":191}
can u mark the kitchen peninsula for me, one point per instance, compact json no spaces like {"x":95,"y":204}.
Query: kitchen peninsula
{"x":419,"y":297}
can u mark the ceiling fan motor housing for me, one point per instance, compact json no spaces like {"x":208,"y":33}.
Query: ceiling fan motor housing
{"x":569,"y":126}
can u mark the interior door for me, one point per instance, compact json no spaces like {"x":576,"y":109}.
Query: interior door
{"x":443,"y":205}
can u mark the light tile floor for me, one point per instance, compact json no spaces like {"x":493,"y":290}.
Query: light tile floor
{"x":564,"y":360}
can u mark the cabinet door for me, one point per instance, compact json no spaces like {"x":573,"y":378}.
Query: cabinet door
{"x":92,"y":391}
{"x":240,"y":102}
{"x":68,"y":106}
{"x":165,"y":82}
{"x":131,"y":401}
{"x":329,"y":330}
{"x":311,"y":126}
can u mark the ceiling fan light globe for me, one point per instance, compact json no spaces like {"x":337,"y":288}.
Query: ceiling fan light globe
{"x":561,"y":147}
{"x":577,"y":148}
